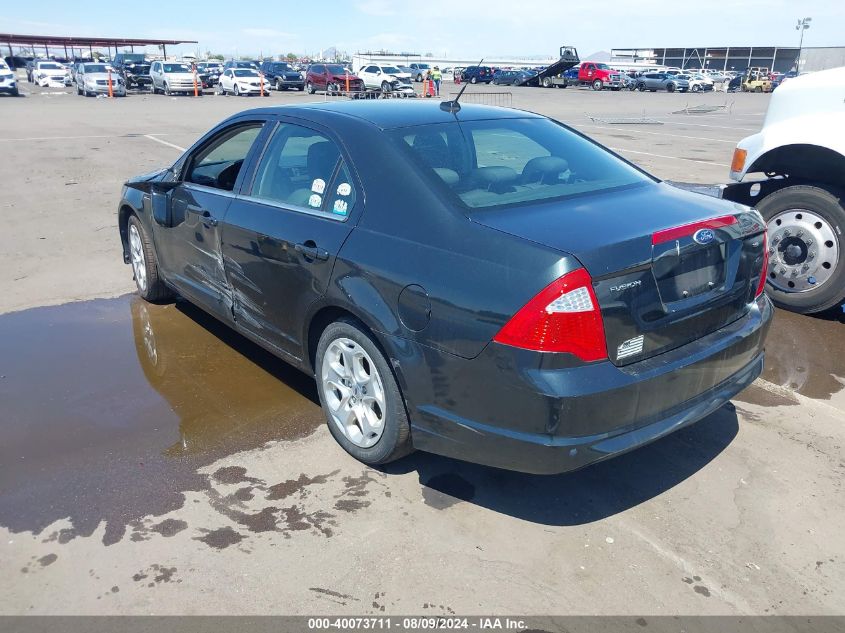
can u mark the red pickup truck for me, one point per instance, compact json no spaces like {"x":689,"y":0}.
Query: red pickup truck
{"x":599,"y":76}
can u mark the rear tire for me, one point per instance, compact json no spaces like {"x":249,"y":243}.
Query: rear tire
{"x":547,"y":82}
{"x":827,"y":203}
{"x":145,"y":263}
{"x":370,"y":387}
{"x":474,"y":80}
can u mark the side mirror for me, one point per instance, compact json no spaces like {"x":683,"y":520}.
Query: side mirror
{"x":150,"y":186}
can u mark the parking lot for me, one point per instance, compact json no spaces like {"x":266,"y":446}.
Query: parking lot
{"x":153,"y":461}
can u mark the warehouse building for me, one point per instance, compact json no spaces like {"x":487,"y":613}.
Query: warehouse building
{"x":738,"y":58}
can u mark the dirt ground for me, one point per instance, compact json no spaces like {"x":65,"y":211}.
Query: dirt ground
{"x":154,"y":462}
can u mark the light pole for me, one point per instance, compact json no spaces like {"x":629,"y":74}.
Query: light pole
{"x":803,"y":25}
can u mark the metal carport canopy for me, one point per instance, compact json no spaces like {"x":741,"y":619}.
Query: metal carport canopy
{"x":80,"y":42}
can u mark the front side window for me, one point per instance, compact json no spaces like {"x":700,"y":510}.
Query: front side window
{"x":304,"y":168}
{"x":486,"y":164}
{"x":218,"y":163}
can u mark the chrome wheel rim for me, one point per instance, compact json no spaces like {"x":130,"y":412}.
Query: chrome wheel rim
{"x":353,"y":392}
{"x":803,"y":251}
{"x":136,"y":252}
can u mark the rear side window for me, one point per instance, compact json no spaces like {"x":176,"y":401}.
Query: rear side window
{"x":494,"y":163}
{"x":304,"y":168}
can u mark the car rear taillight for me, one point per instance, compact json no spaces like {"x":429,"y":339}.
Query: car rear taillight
{"x":563,"y":317}
{"x":761,"y":286}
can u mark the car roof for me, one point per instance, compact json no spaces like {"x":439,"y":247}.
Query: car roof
{"x":391,"y":114}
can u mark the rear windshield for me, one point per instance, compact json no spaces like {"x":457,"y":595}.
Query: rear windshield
{"x":487,"y":164}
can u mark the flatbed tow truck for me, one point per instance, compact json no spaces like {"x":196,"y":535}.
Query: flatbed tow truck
{"x":553,"y":75}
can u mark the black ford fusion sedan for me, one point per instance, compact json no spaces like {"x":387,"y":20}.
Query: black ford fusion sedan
{"x":485,"y":283}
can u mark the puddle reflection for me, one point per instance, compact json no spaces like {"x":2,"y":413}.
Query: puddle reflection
{"x":109,"y":407}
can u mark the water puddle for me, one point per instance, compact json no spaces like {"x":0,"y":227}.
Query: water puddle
{"x":806,"y":354}
{"x":109,"y":407}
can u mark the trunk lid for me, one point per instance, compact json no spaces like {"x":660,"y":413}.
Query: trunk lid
{"x":662,"y":274}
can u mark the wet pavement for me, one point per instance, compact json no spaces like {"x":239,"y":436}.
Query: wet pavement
{"x":111,"y":406}
{"x":805,"y":355}
{"x":150,"y":456}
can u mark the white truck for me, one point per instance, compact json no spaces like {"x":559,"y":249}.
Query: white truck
{"x":801,"y":153}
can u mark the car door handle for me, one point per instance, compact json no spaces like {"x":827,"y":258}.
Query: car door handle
{"x":311,"y":251}
{"x":208,"y":219}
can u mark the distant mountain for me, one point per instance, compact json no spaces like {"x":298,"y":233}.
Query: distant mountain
{"x":600,"y":56}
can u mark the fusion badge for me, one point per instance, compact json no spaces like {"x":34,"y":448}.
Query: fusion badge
{"x":630,"y":347}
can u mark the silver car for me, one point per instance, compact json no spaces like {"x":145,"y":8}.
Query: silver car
{"x":662,"y":81}
{"x":173,"y":77}
{"x":93,"y":79}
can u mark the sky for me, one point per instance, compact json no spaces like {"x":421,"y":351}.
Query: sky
{"x":453,"y":28}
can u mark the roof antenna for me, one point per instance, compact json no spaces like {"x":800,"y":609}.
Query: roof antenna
{"x":453,"y":106}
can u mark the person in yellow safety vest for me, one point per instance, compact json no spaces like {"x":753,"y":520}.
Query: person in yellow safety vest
{"x":437,"y":77}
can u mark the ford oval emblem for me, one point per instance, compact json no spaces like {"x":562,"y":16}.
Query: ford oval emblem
{"x":704,"y":236}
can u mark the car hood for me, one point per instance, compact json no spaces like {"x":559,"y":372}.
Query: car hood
{"x":96,"y":76}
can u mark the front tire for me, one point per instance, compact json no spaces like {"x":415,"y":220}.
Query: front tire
{"x":144,"y":263}
{"x":364,"y":407}
{"x":598,"y":85}
{"x":310,"y":88}
{"x":819,"y":215}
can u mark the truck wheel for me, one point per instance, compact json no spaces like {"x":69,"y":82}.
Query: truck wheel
{"x":547,"y":82}
{"x":597,"y":84}
{"x":806,"y":247}
{"x":362,"y":401}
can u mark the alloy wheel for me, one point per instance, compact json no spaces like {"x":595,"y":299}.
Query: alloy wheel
{"x":136,"y":252}
{"x":353,"y":392}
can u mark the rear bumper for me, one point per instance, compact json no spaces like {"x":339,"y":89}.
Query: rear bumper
{"x":499,"y":411}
